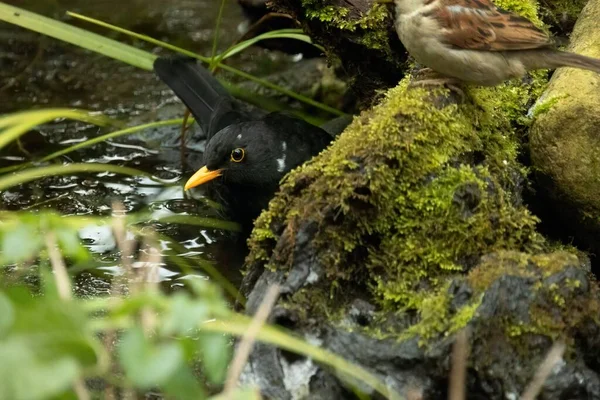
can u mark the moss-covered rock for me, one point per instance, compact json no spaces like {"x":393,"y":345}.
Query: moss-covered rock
{"x":566,"y":137}
{"x":358,"y":34}
{"x":513,"y":304}
{"x":411,"y":227}
{"x":411,"y":194}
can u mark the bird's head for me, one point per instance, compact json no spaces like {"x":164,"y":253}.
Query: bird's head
{"x":247,"y":153}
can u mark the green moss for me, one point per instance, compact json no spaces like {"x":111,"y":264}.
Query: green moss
{"x":370,"y":27}
{"x":436,"y":318}
{"x":409,"y":197}
{"x":545,"y":105}
{"x":526,"y":8}
{"x":556,"y":307}
{"x":404,"y":205}
{"x":518,"y":264}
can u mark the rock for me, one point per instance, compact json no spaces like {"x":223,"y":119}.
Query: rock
{"x":565,"y":140}
{"x":522,"y":304}
{"x":360,"y":33}
{"x":411,"y":227}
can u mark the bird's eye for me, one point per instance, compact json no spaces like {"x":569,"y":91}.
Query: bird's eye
{"x":237,"y":155}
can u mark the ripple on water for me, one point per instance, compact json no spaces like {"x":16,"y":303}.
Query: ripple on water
{"x":41,"y":72}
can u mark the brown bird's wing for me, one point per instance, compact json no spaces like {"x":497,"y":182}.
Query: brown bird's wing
{"x":480,"y":25}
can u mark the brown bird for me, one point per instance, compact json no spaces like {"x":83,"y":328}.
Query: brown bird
{"x":475,"y":41}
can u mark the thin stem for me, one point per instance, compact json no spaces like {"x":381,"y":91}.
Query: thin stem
{"x":213,"y":53}
{"x":245,"y":346}
{"x":207,"y":60}
{"x":63,"y":284}
{"x":543,"y":372}
{"x":68,"y":169}
{"x":93,"y":141}
{"x":458,"y":372}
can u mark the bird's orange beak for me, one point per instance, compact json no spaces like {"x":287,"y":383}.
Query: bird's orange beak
{"x":201,"y":176}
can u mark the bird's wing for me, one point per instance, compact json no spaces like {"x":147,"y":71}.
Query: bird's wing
{"x":209,"y":102}
{"x":480,"y":25}
{"x":308,"y":138}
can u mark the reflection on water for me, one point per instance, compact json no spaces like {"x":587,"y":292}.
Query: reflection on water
{"x":37,"y":72}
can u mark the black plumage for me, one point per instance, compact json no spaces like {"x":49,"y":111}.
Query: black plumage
{"x":248,"y":153}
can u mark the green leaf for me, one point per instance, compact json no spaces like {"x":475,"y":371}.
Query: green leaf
{"x":201,"y":221}
{"x":183,"y":385}
{"x":48,"y":282}
{"x":77,"y":36}
{"x":279,"y":34}
{"x":24,"y":375}
{"x":15,"y":125}
{"x":54,"y":328}
{"x":185,"y":315}
{"x":7,"y":314}
{"x":208,"y":60}
{"x":21,"y":243}
{"x":215,"y":350}
{"x":46,"y":347}
{"x":71,"y":246}
{"x":148,"y":365}
{"x":96,"y":140}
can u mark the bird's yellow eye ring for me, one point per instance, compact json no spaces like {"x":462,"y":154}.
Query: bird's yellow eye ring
{"x":237,"y":155}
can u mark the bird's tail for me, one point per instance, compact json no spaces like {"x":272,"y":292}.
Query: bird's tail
{"x":557,"y":59}
{"x":204,"y":96}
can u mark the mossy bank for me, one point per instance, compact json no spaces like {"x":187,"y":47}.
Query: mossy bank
{"x":410,"y":227}
{"x":412,"y":193}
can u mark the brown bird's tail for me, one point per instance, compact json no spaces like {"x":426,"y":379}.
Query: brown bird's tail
{"x":556,"y":59}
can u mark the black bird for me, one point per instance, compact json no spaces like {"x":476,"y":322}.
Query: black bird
{"x":248,"y":153}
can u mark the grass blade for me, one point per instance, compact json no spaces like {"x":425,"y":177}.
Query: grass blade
{"x":18,"y":124}
{"x":207,"y":60}
{"x":67,"y":169}
{"x":77,"y":36}
{"x":96,"y":140}
{"x":279,"y":34}
{"x":213,"y":53}
{"x":201,"y":221}
{"x":268,"y":334}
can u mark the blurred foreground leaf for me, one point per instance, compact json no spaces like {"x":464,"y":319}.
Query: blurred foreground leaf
{"x":44,"y":347}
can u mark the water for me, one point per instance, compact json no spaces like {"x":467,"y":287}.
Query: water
{"x":40,"y":72}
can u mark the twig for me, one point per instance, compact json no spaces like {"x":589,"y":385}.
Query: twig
{"x":108,"y":342}
{"x":119,"y":286}
{"x":544,"y":370}
{"x":118,"y":225}
{"x":245,"y":345}
{"x":414,"y":394}
{"x":125,"y":248}
{"x":149,"y":280}
{"x":80,"y":390}
{"x":458,"y":371}
{"x":63,"y":284}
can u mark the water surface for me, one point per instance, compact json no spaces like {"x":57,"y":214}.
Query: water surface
{"x":40,"y":72}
